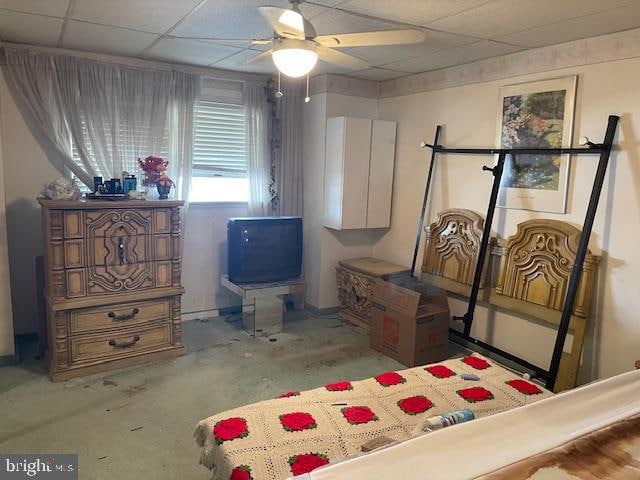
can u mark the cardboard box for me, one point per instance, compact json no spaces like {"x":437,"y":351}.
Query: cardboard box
{"x":409,"y":321}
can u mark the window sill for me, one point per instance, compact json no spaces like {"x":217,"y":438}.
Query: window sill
{"x":214,"y":204}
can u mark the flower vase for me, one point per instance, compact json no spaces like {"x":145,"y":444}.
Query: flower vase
{"x":163,"y":191}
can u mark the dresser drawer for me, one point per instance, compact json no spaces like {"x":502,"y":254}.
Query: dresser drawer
{"x":108,"y":346}
{"x":118,"y":316}
{"x":116,"y":222}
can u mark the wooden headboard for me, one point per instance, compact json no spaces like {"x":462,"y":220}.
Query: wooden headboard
{"x":533,"y":278}
{"x":451,"y":250}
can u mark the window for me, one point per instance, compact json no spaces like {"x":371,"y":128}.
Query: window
{"x":219,"y":153}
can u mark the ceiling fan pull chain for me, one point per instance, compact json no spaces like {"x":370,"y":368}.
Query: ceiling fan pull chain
{"x":279,"y":93}
{"x":307,"y":98}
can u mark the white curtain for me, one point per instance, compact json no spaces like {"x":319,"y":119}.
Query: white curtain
{"x":289,"y":169}
{"x":258,"y":158}
{"x":114,"y":114}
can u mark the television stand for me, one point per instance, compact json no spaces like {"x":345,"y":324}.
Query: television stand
{"x":263,"y":303}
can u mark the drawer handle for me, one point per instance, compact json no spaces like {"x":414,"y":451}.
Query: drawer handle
{"x":125,"y":317}
{"x":115,"y":344}
{"x":121,"y":251}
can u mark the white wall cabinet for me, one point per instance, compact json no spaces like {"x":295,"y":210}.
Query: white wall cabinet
{"x":359,"y":159}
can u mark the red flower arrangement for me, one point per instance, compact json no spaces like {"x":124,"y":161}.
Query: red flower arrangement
{"x":358,"y":415}
{"x":524,"y":387}
{"x":243,"y":472}
{"x":440,"y":371}
{"x":306,"y":462}
{"x":230,"y":429}
{"x":415,"y":405}
{"x":297,"y":421}
{"x":475,"y":394}
{"x":292,"y":393}
{"x":390,"y":378}
{"x":339,"y":386}
{"x":153,"y":168}
{"x":476,"y":362}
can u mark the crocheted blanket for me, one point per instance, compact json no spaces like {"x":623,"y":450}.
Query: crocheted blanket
{"x":301,"y":431}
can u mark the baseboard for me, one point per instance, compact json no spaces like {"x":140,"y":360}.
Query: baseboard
{"x":6,"y":360}
{"x":318,"y":312}
{"x":214,"y":312}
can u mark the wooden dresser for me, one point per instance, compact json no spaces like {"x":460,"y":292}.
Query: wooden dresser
{"x":112,"y":284}
{"x":356,"y":279}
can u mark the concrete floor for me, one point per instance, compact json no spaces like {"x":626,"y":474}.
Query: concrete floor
{"x":137,"y":423}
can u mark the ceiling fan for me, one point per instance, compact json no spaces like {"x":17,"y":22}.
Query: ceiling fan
{"x":296,"y":47}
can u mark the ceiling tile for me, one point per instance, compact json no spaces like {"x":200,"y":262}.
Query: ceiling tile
{"x":238,"y":62}
{"x":413,"y":12}
{"x":98,"y":38}
{"x":588,"y":26}
{"x":454,"y":56}
{"x":337,"y":21}
{"x":434,"y":42}
{"x":51,"y":8}
{"x":189,"y":51}
{"x":31,"y":29}
{"x":155,"y":16}
{"x":503,"y":17}
{"x":235,"y":19}
{"x":378,"y":74}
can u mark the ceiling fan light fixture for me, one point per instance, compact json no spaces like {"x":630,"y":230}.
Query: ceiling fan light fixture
{"x":292,"y":19}
{"x":295,"y":60}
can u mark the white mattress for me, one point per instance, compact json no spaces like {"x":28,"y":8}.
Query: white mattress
{"x":477,"y":448}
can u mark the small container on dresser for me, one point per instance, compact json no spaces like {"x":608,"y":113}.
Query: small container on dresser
{"x":356,"y":281}
{"x":112,"y":284}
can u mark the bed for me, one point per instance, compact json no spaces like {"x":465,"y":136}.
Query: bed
{"x":589,"y":433}
{"x":287,"y":436}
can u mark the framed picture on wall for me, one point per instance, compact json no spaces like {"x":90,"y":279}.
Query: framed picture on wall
{"x":538,"y":115}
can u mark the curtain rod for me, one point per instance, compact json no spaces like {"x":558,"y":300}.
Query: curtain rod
{"x":138,"y":62}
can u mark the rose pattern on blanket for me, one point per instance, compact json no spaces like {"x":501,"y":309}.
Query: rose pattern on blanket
{"x":306,"y":462}
{"x":390,"y":378}
{"x":440,"y":371}
{"x":475,"y":394}
{"x":358,"y":415}
{"x":256,"y":436}
{"x":243,"y":472}
{"x":230,"y":429}
{"x":476,"y":362}
{"x":339,"y":386}
{"x":297,"y":421}
{"x":292,"y":393}
{"x":524,"y":387}
{"x":415,"y":405}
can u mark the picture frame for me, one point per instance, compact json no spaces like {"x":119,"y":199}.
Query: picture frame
{"x":536,"y":114}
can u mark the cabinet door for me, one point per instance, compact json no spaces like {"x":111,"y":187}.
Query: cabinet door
{"x":356,"y":173}
{"x":383,"y":147}
{"x":333,"y":172}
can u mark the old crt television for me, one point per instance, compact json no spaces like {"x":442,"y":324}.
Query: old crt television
{"x":264,"y":249}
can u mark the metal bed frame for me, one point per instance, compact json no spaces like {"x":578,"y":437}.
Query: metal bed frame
{"x":604,"y":151}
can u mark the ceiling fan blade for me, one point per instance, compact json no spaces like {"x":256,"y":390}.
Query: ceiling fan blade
{"x":341,"y":59}
{"x":288,"y":23}
{"x":366,"y":39}
{"x":251,"y":41}
{"x":259,"y":58}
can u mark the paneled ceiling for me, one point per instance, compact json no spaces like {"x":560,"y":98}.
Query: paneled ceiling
{"x":457,"y":31}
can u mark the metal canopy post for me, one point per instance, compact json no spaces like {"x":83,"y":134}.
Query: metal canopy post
{"x":576,"y":272}
{"x":427,"y":188}
{"x":604,"y":150}
{"x":497,"y":170}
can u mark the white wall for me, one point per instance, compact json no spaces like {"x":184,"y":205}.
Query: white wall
{"x":6,"y":314}
{"x":323,"y":247}
{"x":468,"y":114}
{"x":27,"y":168}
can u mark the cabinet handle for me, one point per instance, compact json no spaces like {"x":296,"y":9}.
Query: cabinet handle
{"x":121,"y":250}
{"x":125,"y":317}
{"x":115,"y":344}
